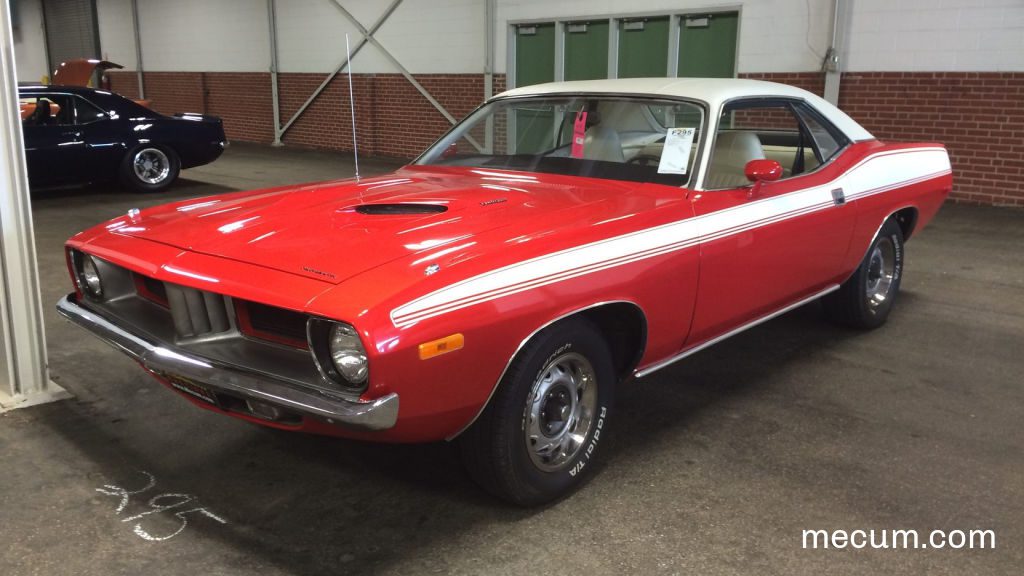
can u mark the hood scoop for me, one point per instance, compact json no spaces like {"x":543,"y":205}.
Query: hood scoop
{"x":400,"y":209}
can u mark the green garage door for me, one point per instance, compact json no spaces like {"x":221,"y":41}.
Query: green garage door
{"x":535,"y":54}
{"x":535,"y":64}
{"x":707,"y":45}
{"x":586,"y":50}
{"x":643,"y":48}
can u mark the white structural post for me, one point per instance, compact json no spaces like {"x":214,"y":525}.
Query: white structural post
{"x":489,"y":15}
{"x":674,"y":23}
{"x":24,"y":379}
{"x":836,"y":55}
{"x":275,"y":99}
{"x":138,"y":49}
{"x":613,"y":48}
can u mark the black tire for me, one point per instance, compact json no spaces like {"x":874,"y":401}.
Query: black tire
{"x":164,"y":167}
{"x":496,"y":450}
{"x":866,"y":298}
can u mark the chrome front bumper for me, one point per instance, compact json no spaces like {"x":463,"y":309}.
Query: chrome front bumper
{"x":160,"y":357}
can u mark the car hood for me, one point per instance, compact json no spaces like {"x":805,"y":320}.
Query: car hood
{"x":335,"y":230}
{"x":78,"y":71}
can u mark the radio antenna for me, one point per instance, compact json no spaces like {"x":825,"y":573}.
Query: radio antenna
{"x":352,"y":107}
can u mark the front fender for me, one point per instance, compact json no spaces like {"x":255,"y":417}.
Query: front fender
{"x":443,"y":395}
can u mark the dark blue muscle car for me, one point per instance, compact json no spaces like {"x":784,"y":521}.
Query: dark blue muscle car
{"x":77,"y":135}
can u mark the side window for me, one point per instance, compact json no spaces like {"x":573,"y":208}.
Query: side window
{"x":46,"y":110}
{"x":57,"y":110}
{"x":755,"y":130}
{"x":827,"y":138}
{"x":87,"y":112}
{"x":791,"y":133}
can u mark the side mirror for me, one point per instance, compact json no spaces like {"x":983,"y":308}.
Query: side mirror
{"x":763,"y":170}
{"x":760,"y":171}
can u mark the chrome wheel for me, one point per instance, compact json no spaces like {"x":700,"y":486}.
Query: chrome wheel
{"x":560,"y":411}
{"x":151,"y":165}
{"x":880,"y":273}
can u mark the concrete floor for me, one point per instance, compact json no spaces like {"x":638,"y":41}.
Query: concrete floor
{"x":715,"y":466}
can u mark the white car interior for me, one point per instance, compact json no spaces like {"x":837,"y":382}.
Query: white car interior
{"x":602,"y":143}
{"x":732,"y":150}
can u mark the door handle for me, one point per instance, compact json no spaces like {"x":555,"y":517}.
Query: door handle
{"x":75,"y":134}
{"x":838,"y":197}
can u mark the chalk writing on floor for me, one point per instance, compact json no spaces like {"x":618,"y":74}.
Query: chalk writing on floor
{"x":179,"y":506}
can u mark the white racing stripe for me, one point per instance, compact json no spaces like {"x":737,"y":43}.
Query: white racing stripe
{"x":874,"y":174}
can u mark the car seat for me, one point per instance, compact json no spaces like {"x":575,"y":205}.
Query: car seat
{"x":728,"y":161}
{"x":41,"y":115}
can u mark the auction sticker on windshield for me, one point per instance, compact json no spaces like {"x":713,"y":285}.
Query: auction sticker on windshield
{"x":675,"y":156}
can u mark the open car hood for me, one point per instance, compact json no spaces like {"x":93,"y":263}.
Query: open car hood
{"x":333,"y":231}
{"x":78,"y":72}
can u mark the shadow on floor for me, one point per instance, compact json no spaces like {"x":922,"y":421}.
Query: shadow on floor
{"x":183,"y":187}
{"x":311,"y":504}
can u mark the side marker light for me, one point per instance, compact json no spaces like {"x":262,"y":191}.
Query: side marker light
{"x":441,"y":346}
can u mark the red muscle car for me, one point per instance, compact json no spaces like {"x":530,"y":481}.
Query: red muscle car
{"x":502,"y":288}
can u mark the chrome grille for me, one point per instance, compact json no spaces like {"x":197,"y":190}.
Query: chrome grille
{"x":196,"y":313}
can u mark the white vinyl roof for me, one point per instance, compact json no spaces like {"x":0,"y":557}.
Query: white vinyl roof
{"x":714,"y":91}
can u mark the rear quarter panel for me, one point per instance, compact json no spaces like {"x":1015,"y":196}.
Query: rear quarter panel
{"x":913,"y":175}
{"x":196,"y":142}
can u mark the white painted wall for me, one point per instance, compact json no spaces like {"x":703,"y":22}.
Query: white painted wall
{"x":188,"y":35}
{"x":30,"y":42}
{"x":447,"y":36}
{"x":117,"y":40}
{"x":443,"y":36}
{"x":937,"y":35}
{"x":425,"y":36}
{"x":199,"y":35}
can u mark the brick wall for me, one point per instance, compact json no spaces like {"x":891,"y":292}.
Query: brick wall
{"x":241,"y":99}
{"x":979,"y":116}
{"x":810,"y":81}
{"x":392,"y":117}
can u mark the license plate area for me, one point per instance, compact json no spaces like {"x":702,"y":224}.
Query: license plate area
{"x":232,"y":403}
{"x":190,"y":387}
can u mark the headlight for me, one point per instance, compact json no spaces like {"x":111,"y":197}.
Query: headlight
{"x":338,"y":353}
{"x":348,"y":354}
{"x":90,"y":277}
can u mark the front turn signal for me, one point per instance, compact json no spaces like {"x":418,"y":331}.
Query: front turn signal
{"x":441,"y":346}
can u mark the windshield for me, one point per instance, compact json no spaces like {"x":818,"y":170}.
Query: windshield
{"x":634,"y":139}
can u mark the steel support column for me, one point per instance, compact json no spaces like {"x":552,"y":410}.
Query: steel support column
{"x":559,"y":51}
{"x":275,"y":99}
{"x":344,"y":63}
{"x":394,"y":62}
{"x":674,"y":22}
{"x":138,"y":49}
{"x":613,"y":48}
{"x":24,"y":379}
{"x":368,"y":36}
{"x":489,"y":15}
{"x":833,"y":65}
{"x":489,"y":25}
